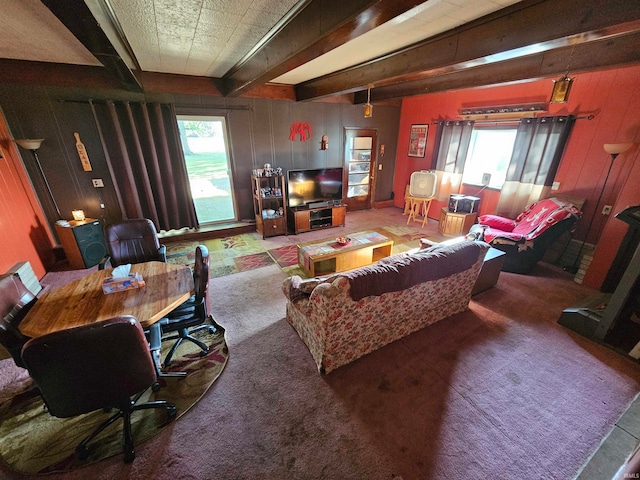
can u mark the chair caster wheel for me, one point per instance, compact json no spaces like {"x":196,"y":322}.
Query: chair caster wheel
{"x":129,"y":456}
{"x":83,"y":452}
{"x":155,"y":387}
{"x":172,"y":411}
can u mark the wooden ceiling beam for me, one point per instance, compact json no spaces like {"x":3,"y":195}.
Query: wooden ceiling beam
{"x":76,"y":16}
{"x":318,"y":28}
{"x":507,"y":34}
{"x":607,"y":53}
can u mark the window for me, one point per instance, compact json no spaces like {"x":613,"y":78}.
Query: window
{"x":489,"y":154}
{"x":205,"y":152}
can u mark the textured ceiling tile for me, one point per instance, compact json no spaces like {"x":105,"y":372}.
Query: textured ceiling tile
{"x":249,"y":33}
{"x":213,"y":35}
{"x":263,"y":18}
{"x":278,"y":7}
{"x":473,"y":10}
{"x":218,"y":18}
{"x":230,"y":6}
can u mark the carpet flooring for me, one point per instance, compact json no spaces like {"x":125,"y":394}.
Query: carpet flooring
{"x":35,"y":442}
{"x":500,"y":391}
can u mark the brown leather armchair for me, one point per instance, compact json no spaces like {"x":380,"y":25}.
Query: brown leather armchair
{"x":132,"y":241}
{"x":15,"y":301}
{"x":192,"y":315}
{"x":101,"y":365}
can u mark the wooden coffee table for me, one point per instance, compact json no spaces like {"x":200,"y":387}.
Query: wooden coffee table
{"x":328,"y":256}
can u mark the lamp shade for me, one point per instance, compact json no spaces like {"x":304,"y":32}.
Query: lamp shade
{"x":30,"y":143}
{"x":617,"y":148}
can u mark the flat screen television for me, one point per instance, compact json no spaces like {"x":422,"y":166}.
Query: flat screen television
{"x":306,"y":187}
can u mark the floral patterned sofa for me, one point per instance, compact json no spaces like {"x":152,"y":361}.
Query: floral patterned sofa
{"x":347,"y":315}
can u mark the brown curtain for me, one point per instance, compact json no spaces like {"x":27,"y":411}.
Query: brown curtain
{"x":536,"y":155}
{"x":450,"y":152}
{"x":142,"y":146}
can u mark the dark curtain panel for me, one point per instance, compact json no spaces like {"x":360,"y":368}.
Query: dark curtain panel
{"x":536,"y":155}
{"x":143,"y":151}
{"x":452,"y":145}
{"x":450,"y":154}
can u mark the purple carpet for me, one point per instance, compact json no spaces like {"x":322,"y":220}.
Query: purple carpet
{"x":500,"y":391}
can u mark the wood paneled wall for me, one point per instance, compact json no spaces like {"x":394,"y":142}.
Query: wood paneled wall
{"x":612,"y":96}
{"x":258,"y":130}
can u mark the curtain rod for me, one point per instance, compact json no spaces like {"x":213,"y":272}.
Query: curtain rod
{"x":218,"y":107}
{"x":435,"y":122}
{"x":201,"y":107}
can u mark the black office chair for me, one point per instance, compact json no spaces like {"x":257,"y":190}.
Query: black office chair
{"x":192,"y":315}
{"x":132,"y":241}
{"x":101,"y":365}
{"x":15,"y":301}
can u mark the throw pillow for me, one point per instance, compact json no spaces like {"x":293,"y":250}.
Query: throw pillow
{"x":300,"y":289}
{"x":495,"y":221}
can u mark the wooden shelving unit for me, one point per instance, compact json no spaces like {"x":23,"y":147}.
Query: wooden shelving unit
{"x":307,"y":219}
{"x":269,"y":205}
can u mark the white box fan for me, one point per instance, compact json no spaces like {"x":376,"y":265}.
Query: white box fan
{"x":423,"y":184}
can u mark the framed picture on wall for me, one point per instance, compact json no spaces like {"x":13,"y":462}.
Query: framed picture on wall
{"x":418,"y":140}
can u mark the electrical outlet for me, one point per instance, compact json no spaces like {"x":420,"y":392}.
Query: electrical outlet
{"x":379,"y":166}
{"x":607,"y":210}
{"x":97,"y":182}
{"x":555,"y":186}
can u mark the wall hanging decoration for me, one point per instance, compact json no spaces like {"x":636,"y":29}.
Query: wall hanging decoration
{"x":418,"y":140}
{"x":324,"y":143}
{"x":300,"y":128}
{"x":82,"y":153}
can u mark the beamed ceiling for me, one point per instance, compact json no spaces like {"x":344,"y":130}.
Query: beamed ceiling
{"x":312,"y":49}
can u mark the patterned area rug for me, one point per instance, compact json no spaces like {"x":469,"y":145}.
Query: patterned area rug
{"x":246,"y":252}
{"x":35,"y":442}
{"x":226,"y":255}
{"x":285,"y":256}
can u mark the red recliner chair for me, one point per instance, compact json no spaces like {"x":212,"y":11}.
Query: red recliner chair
{"x":526,"y":238}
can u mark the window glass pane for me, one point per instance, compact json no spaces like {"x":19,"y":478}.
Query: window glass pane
{"x":489,"y":153}
{"x":205,"y":152}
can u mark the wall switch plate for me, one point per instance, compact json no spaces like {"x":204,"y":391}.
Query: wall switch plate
{"x":379,"y":166}
{"x":97,"y":182}
{"x":555,"y":186}
{"x":607,"y":210}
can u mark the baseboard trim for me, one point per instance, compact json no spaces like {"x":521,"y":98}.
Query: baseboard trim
{"x":383,"y":204}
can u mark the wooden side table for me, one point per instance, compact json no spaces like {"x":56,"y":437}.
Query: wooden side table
{"x":416,"y":205}
{"x":455,"y":224}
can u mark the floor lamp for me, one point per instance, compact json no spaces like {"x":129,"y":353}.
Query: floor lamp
{"x":33,"y":144}
{"x":613,"y":149}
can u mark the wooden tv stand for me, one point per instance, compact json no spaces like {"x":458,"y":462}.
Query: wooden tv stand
{"x":302,"y":219}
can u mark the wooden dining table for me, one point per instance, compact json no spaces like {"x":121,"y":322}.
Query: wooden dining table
{"x":82,"y":301}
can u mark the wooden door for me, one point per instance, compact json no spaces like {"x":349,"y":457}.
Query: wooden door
{"x":359,"y":167}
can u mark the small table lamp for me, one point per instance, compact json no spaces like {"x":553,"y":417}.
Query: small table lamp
{"x":78,"y":215}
